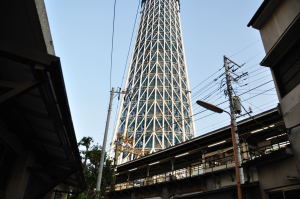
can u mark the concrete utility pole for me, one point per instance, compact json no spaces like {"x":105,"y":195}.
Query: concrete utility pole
{"x":235,"y":138}
{"x":99,"y":178}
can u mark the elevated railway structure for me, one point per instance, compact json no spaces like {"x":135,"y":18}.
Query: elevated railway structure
{"x":204,"y":167}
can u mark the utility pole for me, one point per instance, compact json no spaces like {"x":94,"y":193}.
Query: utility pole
{"x":100,"y":170}
{"x":239,"y":173}
{"x":99,"y":178}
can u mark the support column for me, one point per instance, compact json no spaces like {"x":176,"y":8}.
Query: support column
{"x":294,"y":137}
{"x":132,"y":195}
{"x":18,"y":181}
{"x":165,"y":192}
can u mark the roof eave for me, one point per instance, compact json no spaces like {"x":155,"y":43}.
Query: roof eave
{"x":263,"y":13}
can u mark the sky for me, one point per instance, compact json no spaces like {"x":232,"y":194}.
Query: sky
{"x":82,"y":31}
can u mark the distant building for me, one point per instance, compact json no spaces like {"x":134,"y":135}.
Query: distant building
{"x":39,"y":157}
{"x":270,"y":142}
{"x":156,"y":111}
{"x":203,"y":167}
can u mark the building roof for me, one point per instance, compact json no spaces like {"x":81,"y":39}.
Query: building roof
{"x":35,"y":108}
{"x":35,"y":118}
{"x":263,"y":13}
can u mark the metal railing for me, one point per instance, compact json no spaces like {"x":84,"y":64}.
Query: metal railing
{"x":204,"y":166}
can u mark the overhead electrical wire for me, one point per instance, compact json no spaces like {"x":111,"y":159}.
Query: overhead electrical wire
{"x":201,"y":91}
{"x":258,"y":122}
{"x":209,"y":91}
{"x":256,"y":80}
{"x":247,"y":91}
{"x":130,"y":43}
{"x":260,"y":107}
{"x":208,"y":86}
{"x":258,"y":94}
{"x":256,"y":87}
{"x":128,"y":53}
{"x":244,"y":48}
{"x":241,"y":95}
{"x":259,"y":69}
{"x":207,"y":78}
{"x":255,"y":75}
{"x":212,"y":85}
{"x":205,"y":88}
{"x":222,"y":122}
{"x":112,"y":44}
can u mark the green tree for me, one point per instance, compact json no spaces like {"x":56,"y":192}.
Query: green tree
{"x":91,"y":159}
{"x":86,"y":142}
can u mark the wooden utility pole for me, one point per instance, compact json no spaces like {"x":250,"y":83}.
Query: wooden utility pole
{"x":239,"y":173}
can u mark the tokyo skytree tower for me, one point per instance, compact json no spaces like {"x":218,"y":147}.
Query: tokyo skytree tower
{"x":155,"y":112}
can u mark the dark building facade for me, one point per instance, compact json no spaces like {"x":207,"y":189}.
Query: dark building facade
{"x":278,"y":22}
{"x":38,"y":149}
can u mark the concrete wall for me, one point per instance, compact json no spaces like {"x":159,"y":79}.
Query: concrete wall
{"x":19,"y":23}
{"x":41,"y":9}
{"x":280,"y":19}
{"x":25,"y":23}
{"x":272,"y":30}
{"x":278,"y":174}
{"x":290,"y":105}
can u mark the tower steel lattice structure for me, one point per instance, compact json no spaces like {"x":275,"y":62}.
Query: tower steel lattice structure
{"x":155,"y":112}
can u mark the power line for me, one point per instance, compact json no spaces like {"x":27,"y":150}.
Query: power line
{"x":130,"y":43}
{"x":212,"y":85}
{"x":199,"y":92}
{"x":128,"y":53}
{"x":112,"y":44}
{"x":213,"y":93}
{"x":207,"y":78}
{"x":263,"y":77}
{"x":238,"y":77}
{"x":261,"y":105}
{"x":256,"y":87}
{"x":244,"y":48}
{"x":204,"y":116}
{"x":221,"y":122}
{"x":206,"y":88}
{"x":258,"y":122}
{"x":241,"y":95}
{"x":261,"y":68}
{"x":263,"y":93}
{"x":214,"y":126}
{"x":259,"y":73}
{"x":258,"y":94}
{"x":253,"y":57}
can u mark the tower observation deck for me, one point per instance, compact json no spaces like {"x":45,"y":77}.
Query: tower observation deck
{"x":155,"y":112}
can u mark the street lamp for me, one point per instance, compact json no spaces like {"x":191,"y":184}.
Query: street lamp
{"x":236,"y":150}
{"x":211,"y":107}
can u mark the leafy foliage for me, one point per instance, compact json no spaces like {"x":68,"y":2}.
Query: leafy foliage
{"x":91,"y":160}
